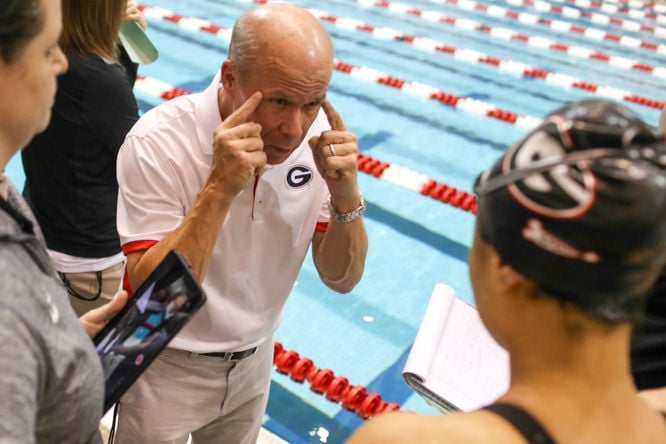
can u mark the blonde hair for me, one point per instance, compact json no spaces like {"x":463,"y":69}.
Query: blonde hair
{"x":92,"y":26}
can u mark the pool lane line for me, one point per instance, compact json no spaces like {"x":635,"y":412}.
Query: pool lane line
{"x":422,"y":90}
{"x":508,"y":34}
{"x":391,"y":173}
{"x":635,"y":9}
{"x":594,"y":17}
{"x":323,"y":381}
{"x":472,"y":56}
{"x":428,"y":45}
{"x":526,"y":18}
{"x":610,"y":8}
{"x":637,"y":4}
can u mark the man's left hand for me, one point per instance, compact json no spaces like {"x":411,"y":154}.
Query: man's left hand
{"x":336,"y":156}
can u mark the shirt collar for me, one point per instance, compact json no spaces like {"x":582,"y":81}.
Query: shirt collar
{"x":207,"y":114}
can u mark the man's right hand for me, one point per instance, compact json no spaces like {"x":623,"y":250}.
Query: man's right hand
{"x":238,"y":150}
{"x":238,"y":154}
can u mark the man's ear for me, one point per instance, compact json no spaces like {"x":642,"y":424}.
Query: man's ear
{"x":228,"y":75}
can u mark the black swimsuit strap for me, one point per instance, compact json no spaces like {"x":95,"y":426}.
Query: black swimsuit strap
{"x":527,"y":425}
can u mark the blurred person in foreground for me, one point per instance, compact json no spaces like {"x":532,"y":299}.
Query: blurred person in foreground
{"x":569,"y":239}
{"x":50,"y":375}
{"x":242,"y":179}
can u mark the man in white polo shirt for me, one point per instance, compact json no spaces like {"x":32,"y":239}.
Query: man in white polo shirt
{"x":241,"y":179}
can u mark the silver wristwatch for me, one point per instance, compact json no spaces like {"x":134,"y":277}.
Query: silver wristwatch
{"x":347,"y":217}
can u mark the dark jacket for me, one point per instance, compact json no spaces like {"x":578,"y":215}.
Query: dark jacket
{"x":70,"y":168}
{"x":50,"y":375}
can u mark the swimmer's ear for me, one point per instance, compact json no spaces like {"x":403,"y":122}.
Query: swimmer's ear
{"x":510,"y":277}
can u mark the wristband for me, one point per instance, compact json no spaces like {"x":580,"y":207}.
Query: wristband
{"x":347,"y":217}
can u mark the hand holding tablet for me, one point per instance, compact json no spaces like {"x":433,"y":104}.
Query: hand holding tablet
{"x":155,"y":313}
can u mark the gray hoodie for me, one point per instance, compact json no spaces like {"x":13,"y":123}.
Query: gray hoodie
{"x":51,"y":385}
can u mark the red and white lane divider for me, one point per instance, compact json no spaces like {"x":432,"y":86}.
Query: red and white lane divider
{"x":394,"y":174}
{"x":508,"y":34}
{"x":585,"y":4}
{"x":635,"y":9}
{"x":635,"y":13}
{"x":474,"y":56}
{"x":323,"y":381}
{"x":601,"y":19}
{"x":557,"y":25}
{"x":656,"y":6}
{"x":465,"y":104}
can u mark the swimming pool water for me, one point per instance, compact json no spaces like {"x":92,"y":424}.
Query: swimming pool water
{"x":415,"y":241}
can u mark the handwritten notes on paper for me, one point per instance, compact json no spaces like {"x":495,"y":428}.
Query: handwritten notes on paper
{"x":454,"y":363}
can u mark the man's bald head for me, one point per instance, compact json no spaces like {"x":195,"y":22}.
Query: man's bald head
{"x":280,"y":31}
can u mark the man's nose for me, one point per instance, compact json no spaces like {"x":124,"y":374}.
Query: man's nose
{"x":292,"y":123}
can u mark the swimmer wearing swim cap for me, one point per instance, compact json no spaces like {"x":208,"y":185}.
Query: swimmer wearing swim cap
{"x":579,"y":207}
{"x":570,"y":236}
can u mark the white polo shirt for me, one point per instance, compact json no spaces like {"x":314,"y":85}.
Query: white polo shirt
{"x":163,"y":164}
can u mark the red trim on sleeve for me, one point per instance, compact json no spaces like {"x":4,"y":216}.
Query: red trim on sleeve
{"x":140,"y":245}
{"x":126,"y":284}
{"x":132,"y":247}
{"x":321,"y":226}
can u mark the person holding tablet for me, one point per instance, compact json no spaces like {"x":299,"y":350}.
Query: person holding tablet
{"x":50,"y":375}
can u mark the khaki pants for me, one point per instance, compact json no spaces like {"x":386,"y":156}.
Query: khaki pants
{"x":92,"y":289}
{"x":218,"y":402}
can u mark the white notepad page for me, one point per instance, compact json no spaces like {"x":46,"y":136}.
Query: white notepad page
{"x":454,"y":358}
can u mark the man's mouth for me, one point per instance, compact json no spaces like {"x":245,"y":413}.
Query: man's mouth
{"x":278,"y":148}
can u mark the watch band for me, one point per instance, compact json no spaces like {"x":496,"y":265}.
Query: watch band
{"x":343,"y":218}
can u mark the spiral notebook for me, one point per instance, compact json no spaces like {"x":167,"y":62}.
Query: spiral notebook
{"x":454,"y":363}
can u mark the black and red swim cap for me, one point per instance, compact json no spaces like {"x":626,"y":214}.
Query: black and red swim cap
{"x":578,"y":206}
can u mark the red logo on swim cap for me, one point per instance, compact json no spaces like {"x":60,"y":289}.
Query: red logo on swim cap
{"x":535,"y":232}
{"x":563,"y":191}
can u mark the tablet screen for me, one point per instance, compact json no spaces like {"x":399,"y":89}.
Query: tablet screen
{"x":155,"y":313}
